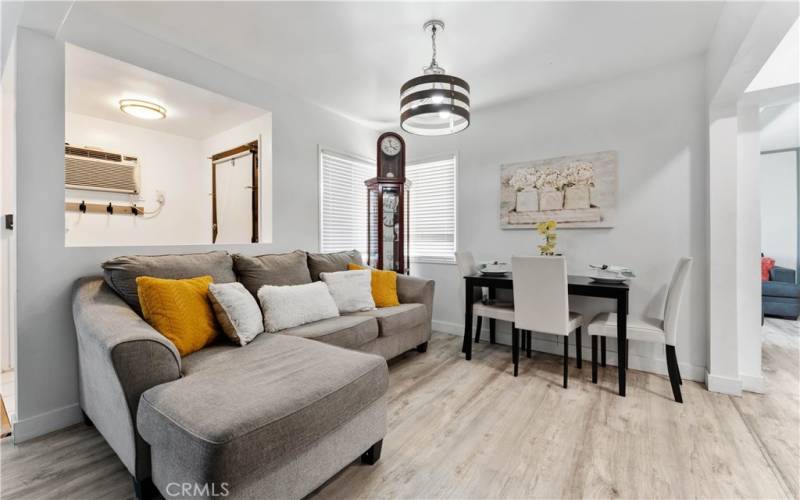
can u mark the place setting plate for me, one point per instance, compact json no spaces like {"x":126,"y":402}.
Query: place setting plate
{"x":495,"y":269}
{"x":612,"y":275}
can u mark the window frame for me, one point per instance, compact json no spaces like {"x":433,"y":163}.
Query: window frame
{"x":430,"y":159}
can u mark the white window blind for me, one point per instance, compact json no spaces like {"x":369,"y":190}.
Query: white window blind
{"x":343,"y":201}
{"x":433,"y":210}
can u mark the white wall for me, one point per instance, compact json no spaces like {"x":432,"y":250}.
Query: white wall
{"x":7,"y":205}
{"x":779,"y":207}
{"x":47,"y":359}
{"x":655,"y":120}
{"x":168,"y":163}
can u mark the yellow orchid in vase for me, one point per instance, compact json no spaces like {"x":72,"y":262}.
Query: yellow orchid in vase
{"x":548,"y":230}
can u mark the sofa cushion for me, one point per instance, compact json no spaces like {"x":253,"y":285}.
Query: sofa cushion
{"x":237,"y":311}
{"x":383,"y":285}
{"x":398,"y":319}
{"x":780,"y":289}
{"x":179,"y":310}
{"x":331,"y":262}
{"x":273,"y":269}
{"x":288,"y":306}
{"x":351,"y":290}
{"x":345,"y":331}
{"x":260,"y":403}
{"x":120,"y":273}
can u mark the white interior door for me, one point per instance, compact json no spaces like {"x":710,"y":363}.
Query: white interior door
{"x":235,"y":200}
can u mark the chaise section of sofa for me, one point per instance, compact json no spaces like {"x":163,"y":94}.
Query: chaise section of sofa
{"x":274,"y":419}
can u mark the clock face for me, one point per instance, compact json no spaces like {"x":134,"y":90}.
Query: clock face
{"x":390,"y":146}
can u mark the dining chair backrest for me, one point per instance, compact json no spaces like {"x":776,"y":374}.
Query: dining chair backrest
{"x":466,"y":263}
{"x":675,"y":292}
{"x":540,"y":294}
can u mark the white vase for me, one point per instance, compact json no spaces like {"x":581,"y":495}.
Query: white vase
{"x":577,"y":197}
{"x":527,"y":201}
{"x":550,"y":199}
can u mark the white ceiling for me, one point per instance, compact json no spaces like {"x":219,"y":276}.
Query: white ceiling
{"x":353,"y":57}
{"x":95,"y":83}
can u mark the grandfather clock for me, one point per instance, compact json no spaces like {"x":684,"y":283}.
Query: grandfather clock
{"x":387,"y":207}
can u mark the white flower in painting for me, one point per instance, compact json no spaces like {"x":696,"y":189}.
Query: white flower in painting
{"x":524,"y":179}
{"x":550,"y":179}
{"x":579,"y":173}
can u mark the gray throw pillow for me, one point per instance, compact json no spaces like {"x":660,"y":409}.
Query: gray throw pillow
{"x":275,"y":269}
{"x":237,"y":312}
{"x":332,"y":262}
{"x":121,"y":272}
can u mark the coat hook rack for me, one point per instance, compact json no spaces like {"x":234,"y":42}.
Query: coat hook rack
{"x":101,"y":208}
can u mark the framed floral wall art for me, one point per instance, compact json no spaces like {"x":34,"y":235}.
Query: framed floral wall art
{"x":575,"y":191}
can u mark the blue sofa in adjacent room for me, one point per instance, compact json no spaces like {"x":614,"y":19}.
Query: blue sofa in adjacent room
{"x":780,"y":296}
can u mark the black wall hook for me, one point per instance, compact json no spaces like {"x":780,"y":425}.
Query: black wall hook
{"x":82,"y":207}
{"x":110,"y":208}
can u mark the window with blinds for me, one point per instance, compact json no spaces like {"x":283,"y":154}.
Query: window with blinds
{"x":343,"y":201}
{"x":432,"y":202}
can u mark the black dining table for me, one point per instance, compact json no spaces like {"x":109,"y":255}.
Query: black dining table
{"x":577,"y":285}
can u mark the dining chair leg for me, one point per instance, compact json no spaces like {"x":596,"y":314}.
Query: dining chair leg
{"x":594,"y":359}
{"x":515,"y":349}
{"x":492,"y":329}
{"x":478,"y":325}
{"x":674,"y":377}
{"x":602,"y":351}
{"x":528,"y":338}
{"x":566,"y":359}
{"x":579,"y":348}
{"x":522,"y":338}
{"x":678,"y":370}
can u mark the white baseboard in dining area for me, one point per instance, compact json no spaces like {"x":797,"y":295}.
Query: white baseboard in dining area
{"x":551,"y":344}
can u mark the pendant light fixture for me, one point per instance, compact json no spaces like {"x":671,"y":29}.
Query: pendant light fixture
{"x":435,"y":103}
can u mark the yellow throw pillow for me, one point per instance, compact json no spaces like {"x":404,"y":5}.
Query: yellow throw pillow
{"x":179,"y":310}
{"x":384,"y":286}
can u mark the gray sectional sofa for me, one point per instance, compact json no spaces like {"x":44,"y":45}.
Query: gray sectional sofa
{"x":273,"y":419}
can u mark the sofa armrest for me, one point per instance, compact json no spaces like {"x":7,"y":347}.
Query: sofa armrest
{"x":782,"y":274}
{"x":417,"y":291}
{"x":119,"y":357}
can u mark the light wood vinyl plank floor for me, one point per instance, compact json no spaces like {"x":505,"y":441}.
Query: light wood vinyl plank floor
{"x":461,"y":429}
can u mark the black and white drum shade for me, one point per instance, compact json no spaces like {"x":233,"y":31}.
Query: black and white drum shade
{"x":434,"y":104}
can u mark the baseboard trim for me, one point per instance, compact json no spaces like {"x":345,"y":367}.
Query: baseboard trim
{"x":723,"y":385}
{"x":47,"y":422}
{"x":752,"y":383}
{"x":553,"y":345}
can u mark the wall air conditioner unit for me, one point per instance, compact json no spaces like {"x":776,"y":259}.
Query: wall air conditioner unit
{"x":98,"y":170}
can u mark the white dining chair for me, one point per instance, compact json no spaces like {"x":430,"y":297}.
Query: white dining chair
{"x":503,"y":311}
{"x":542,"y":303}
{"x":650,"y":330}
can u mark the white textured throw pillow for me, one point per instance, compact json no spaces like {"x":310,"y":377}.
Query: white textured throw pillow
{"x":237,"y":311}
{"x":288,"y":306}
{"x":352,"y":290}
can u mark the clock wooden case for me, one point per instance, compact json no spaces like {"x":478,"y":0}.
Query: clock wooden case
{"x":388,"y":207}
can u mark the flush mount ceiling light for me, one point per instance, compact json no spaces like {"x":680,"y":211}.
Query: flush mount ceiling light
{"x":142,"y":109}
{"x":434,"y":103}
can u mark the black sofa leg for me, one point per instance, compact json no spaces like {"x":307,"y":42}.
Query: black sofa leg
{"x":372,"y":455}
{"x":145,"y":489}
{"x":86,"y":420}
{"x":422,"y":347}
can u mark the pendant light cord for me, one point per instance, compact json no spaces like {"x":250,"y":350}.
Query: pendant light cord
{"x":433,"y":45}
